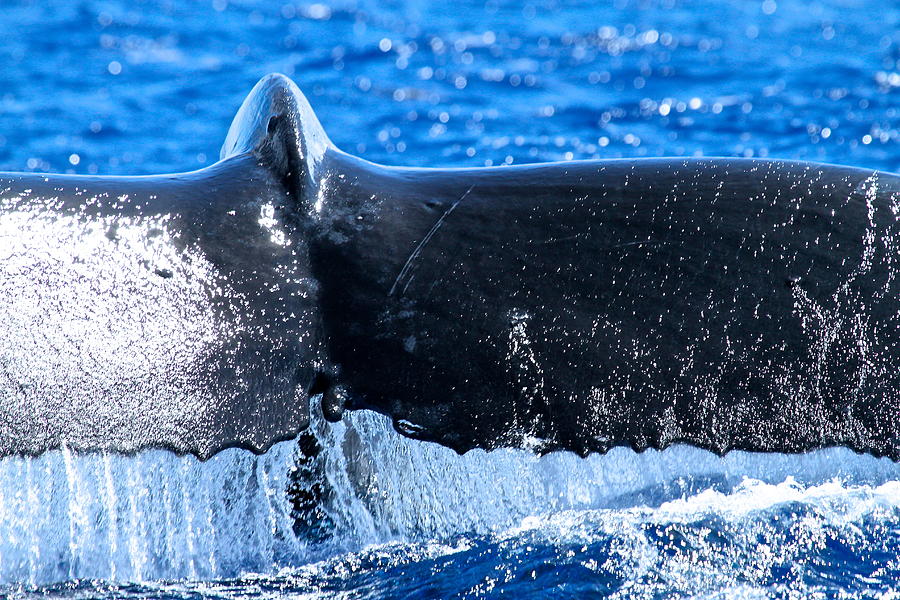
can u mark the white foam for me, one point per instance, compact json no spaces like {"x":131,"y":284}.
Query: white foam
{"x":418,"y":490}
{"x":154,"y":515}
{"x":159,"y":516}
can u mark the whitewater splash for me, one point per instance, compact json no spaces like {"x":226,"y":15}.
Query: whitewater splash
{"x":157,"y":516}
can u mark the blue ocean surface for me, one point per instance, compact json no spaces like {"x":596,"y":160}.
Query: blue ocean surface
{"x":353,"y":509}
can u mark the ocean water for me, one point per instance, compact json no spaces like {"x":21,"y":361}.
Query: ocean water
{"x":139,"y":87}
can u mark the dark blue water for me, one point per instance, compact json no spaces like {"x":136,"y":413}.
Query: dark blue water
{"x":115,"y":87}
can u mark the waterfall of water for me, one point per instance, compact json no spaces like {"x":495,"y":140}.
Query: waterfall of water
{"x":156,"y":515}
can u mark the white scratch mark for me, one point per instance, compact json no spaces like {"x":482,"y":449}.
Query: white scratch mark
{"x":415,"y":253}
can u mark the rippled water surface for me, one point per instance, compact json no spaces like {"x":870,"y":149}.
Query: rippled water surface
{"x":353,"y":510}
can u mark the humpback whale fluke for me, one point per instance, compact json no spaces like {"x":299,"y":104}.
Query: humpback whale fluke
{"x":170,"y":311}
{"x":726,"y":303}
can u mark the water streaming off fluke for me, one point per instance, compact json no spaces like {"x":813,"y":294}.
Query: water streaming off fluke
{"x":158,"y":516}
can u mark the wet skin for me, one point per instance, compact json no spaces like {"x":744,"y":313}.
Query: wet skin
{"x":724,"y":303}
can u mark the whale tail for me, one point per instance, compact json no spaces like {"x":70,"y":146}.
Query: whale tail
{"x":726,"y":303}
